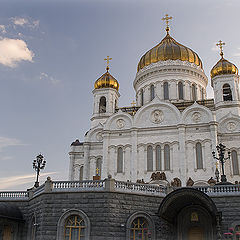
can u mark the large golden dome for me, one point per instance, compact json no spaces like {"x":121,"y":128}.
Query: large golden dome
{"x":169,"y":49}
{"x":223,"y":66}
{"x":106,"y":81}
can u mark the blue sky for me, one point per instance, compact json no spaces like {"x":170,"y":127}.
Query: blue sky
{"x":51,"y":53}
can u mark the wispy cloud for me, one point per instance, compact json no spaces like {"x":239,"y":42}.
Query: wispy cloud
{"x":46,"y":77}
{"x":8,"y":182}
{"x":2,"y":29}
{"x":25,"y":22}
{"x":9,"y":142}
{"x":14,"y":51}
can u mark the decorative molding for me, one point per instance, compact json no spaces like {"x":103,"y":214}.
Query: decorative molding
{"x":157,"y":116}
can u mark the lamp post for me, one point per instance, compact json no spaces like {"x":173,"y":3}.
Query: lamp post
{"x":38,"y":164}
{"x":221,"y":152}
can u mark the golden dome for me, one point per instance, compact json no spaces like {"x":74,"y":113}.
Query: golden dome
{"x":106,"y":81}
{"x":223,"y":66}
{"x":169,"y":49}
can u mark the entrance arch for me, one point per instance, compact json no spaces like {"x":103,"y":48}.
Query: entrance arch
{"x":191,"y":213}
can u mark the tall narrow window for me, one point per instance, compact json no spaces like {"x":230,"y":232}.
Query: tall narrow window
{"x":180,"y":90}
{"x":74,"y":228}
{"x":102,"y":105}
{"x":139,"y":229}
{"x":227,"y":93}
{"x":120,"y":160}
{"x":98,"y":167}
{"x":149,"y":158}
{"x":141,"y":97}
{"x":158,"y":158}
{"x":81,"y":173}
{"x":165,"y":91}
{"x":194,"y":90}
{"x":199,"y":158}
{"x":152,"y":92}
{"x":202,"y":93}
{"x":235,"y":165}
{"x":166,"y":157}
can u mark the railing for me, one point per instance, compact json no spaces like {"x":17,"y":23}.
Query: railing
{"x":23,"y":195}
{"x":39,"y":190}
{"x":79,"y":185}
{"x":140,"y":188}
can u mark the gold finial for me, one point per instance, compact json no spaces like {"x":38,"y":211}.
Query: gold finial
{"x":133,"y":103}
{"x":107,"y":59}
{"x":97,"y":171}
{"x":167,"y":18}
{"x":220,"y":45}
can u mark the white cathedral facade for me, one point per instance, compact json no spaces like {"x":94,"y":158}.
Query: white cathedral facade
{"x":173,"y":128}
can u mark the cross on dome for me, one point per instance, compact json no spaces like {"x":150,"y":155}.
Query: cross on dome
{"x":108,"y":61}
{"x":220,"y":44}
{"x":166,"y":19}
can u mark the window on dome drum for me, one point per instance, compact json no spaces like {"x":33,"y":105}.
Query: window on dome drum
{"x":235,"y":165}
{"x":165,"y":91}
{"x":102,"y":105}
{"x":180,"y":90}
{"x":152,"y":92}
{"x":199,"y":159}
{"x":194,"y":96}
{"x":227,"y":93}
{"x":99,"y":166}
{"x":139,"y":229}
{"x":202,"y":93}
{"x":141,"y":97}
{"x":74,"y":228}
{"x":158,"y":158}
{"x":149,"y":158}
{"x":81,"y":173}
{"x":120,"y":160}
{"x":166,"y":157}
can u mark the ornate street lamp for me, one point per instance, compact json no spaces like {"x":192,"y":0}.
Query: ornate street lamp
{"x":38,"y":164}
{"x":221,"y":152}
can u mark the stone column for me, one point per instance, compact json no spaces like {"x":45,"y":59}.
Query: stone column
{"x":105,"y":160}
{"x":181,"y":154}
{"x":133,"y":161}
{"x":86,"y":168}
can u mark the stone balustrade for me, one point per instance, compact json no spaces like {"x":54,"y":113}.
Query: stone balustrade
{"x":111,"y":185}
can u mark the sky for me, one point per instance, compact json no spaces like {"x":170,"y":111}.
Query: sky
{"x":51,"y":53}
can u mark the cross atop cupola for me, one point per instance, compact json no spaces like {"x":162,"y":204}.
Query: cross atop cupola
{"x":166,"y":19}
{"x":108,"y":61}
{"x":220,"y":44}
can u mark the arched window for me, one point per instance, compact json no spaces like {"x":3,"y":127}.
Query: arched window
{"x":180,"y":90}
{"x":141,"y":97}
{"x":149,"y":158}
{"x":98,"y":167}
{"x":158,"y":158}
{"x":166,"y":157}
{"x":227,"y":93}
{"x":120,"y":160}
{"x":102,"y":105}
{"x":73,"y":225}
{"x":74,"y":228}
{"x":235,"y":165}
{"x":81,"y":173}
{"x":165,"y":91}
{"x":152,"y":92}
{"x":194,"y":91}
{"x":199,"y":158}
{"x":139,"y":229}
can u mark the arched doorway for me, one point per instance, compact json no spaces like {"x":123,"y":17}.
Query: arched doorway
{"x":191,"y":214}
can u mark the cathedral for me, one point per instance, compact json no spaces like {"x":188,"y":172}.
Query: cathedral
{"x":172,"y":128}
{"x":165,"y":168}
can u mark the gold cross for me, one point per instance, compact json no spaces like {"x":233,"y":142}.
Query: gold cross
{"x":220,"y":45}
{"x":97,"y":171}
{"x":107,"y":59}
{"x":167,"y":18}
{"x":133,"y":103}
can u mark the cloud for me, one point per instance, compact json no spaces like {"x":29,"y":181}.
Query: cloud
{"x":9,"y":142}
{"x":13,"y":181}
{"x":3,"y":29}
{"x":45,"y":76}
{"x":25,"y":22}
{"x":19,"y":21}
{"x":14,"y":51}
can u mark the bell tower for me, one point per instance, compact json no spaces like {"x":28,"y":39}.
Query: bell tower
{"x":105,"y":95}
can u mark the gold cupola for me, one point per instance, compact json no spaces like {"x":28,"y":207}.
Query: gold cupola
{"x":169,"y":49}
{"x":106,"y":80}
{"x":223,"y":66}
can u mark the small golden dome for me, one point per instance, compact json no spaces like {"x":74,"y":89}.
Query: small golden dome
{"x":223,"y":66}
{"x":106,"y":81}
{"x":169,"y":49}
